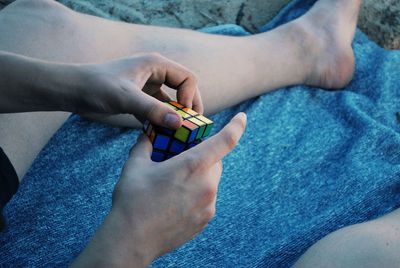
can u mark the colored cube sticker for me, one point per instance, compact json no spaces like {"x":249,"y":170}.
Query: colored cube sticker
{"x":168,"y":143}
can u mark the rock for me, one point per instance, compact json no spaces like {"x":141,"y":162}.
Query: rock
{"x":184,"y":14}
{"x":380,"y":20}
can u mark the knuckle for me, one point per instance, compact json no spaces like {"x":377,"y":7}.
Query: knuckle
{"x":191,"y":79}
{"x":154,"y":57}
{"x":148,"y":60}
{"x":209,"y":194}
{"x":194,"y":164}
{"x":155,"y":63}
{"x":220,"y":166}
{"x":209,"y":213}
{"x":155,"y":54}
{"x":151,"y":112}
{"x":191,"y":76}
{"x":194,"y":78}
{"x":230,"y":139}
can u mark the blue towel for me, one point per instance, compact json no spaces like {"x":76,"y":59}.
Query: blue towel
{"x":310,"y":162}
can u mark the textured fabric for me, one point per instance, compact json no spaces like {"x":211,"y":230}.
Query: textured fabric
{"x":310,"y":162}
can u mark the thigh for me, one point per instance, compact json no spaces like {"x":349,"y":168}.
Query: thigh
{"x":23,"y":135}
{"x":47,"y":30}
{"x":374,"y":243}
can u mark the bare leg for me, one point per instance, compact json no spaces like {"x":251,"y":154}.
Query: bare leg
{"x":371,"y":244}
{"x":23,"y":135}
{"x":314,"y":50}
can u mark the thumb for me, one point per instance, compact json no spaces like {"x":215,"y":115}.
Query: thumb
{"x":141,"y":150}
{"x":146,"y":107}
{"x":161,"y":115}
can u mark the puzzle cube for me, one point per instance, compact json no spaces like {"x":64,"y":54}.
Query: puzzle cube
{"x":168,"y":143}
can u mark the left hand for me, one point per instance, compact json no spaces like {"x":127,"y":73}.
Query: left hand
{"x":124,"y":86}
{"x":134,"y":86}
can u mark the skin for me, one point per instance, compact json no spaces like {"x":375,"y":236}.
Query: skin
{"x":314,"y":50}
{"x":370,"y":244}
{"x":125,"y":86}
{"x":172,"y":204}
{"x":158,"y":206}
{"x":302,"y":43}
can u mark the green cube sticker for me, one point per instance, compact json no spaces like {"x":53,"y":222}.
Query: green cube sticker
{"x":201,"y":132}
{"x":182,"y":134}
{"x":208,"y":130}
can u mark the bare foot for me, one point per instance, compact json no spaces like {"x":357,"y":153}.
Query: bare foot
{"x":326,"y":34}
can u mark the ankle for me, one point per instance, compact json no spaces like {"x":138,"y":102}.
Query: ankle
{"x":328,"y":53}
{"x":308,"y":46}
{"x":290,"y":45}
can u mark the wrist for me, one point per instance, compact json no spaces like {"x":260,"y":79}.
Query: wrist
{"x":115,"y":244}
{"x":61,"y":87}
{"x":33,"y":85}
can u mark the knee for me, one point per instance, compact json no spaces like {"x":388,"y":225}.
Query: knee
{"x":45,"y":6}
{"x":35,"y":3}
{"x":370,"y":244}
{"x":47,"y":13}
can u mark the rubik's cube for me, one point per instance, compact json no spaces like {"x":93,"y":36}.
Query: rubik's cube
{"x":167,"y":143}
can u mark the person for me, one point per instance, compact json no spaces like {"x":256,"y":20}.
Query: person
{"x":62,"y":61}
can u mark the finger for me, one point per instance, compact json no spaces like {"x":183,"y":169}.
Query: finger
{"x":186,"y":92}
{"x":162,"y":96}
{"x":174,"y":75}
{"x":182,"y":80}
{"x":146,"y":107}
{"x":215,"y":148}
{"x":157,"y":92}
{"x":197,"y":102}
{"x":142,"y":149}
{"x":151,"y":88}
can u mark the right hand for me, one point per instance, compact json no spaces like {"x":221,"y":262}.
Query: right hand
{"x":163,"y":205}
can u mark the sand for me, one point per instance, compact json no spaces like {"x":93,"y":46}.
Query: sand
{"x":380,"y":20}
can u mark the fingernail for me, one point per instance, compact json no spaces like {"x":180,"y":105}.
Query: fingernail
{"x":172,"y":120}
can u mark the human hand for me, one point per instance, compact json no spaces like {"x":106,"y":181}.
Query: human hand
{"x":133,"y":86}
{"x":170,"y":202}
{"x":124,"y":86}
{"x":158,"y":206}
